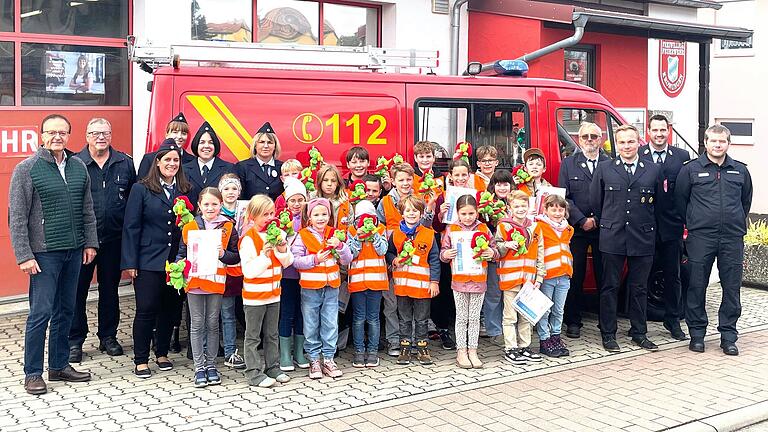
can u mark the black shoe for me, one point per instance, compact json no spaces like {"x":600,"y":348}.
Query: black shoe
{"x":696,"y":345}
{"x":164,"y":365}
{"x":610,"y":344}
{"x":729,"y":348}
{"x":644,"y":343}
{"x":111,"y":346}
{"x":175,"y":345}
{"x":68,"y":374}
{"x":142,"y":373}
{"x":75,"y":354}
{"x":676,"y":332}
{"x":445,"y":338}
{"x":573,"y":331}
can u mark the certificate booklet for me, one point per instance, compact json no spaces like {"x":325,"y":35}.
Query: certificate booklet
{"x":240,"y":214}
{"x":531,"y":303}
{"x":452,"y":193}
{"x":464,"y":264}
{"x":203,"y":251}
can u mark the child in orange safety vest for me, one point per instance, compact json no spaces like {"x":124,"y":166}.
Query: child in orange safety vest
{"x":204,"y":292}
{"x":414,"y":258}
{"x":262,"y":264}
{"x":521,"y":252}
{"x":558,"y":262}
{"x":469,"y":280}
{"x":319,"y":253}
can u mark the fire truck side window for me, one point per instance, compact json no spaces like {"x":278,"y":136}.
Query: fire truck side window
{"x":570,"y":119}
{"x":499,"y":124}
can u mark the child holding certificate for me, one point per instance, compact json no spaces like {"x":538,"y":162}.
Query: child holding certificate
{"x":521,"y":261}
{"x":468,"y":246}
{"x":204,"y":292}
{"x":559,"y":264}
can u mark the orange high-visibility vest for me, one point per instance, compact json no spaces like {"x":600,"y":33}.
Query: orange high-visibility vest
{"x":413,"y":280}
{"x":440,"y":186}
{"x":479,"y":183}
{"x":369,"y":270}
{"x":324,"y":274}
{"x":513,"y":270}
{"x":524,"y":187}
{"x":265,"y":287}
{"x":344,"y":211}
{"x":557,"y":252}
{"x":392,"y":215}
{"x":210,"y":283}
{"x":480,"y":278}
{"x":234,"y":270}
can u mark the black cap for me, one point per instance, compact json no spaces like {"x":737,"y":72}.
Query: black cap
{"x":167,"y":145}
{"x":179,"y":118}
{"x":266,"y":128}
{"x":206,"y":128}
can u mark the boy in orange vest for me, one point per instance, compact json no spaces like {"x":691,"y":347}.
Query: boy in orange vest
{"x":367,"y":280}
{"x":424,"y":156}
{"x":487,"y":161}
{"x":414,"y":258}
{"x":536,"y":166}
{"x":515,"y":267}
{"x":558,"y":262}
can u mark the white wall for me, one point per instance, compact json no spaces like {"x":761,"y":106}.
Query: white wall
{"x":736,"y":85}
{"x":405,"y":24}
{"x":684,"y":106}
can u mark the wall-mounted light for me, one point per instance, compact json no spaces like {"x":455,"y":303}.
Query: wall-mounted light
{"x":31,"y":13}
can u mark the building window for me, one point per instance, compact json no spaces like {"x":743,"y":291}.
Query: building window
{"x":53,"y":74}
{"x":741,"y":130}
{"x":579,"y":66}
{"x":227,"y":20}
{"x":570,"y":119}
{"x":6,"y":15}
{"x":7,"y":67}
{"x":105,"y":18}
{"x":299,"y":22}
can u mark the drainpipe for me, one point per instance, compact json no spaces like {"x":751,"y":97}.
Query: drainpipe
{"x":455,"y":24}
{"x":703,"y":92}
{"x":579,"y":23}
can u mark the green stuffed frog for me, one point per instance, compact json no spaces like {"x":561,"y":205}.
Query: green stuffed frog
{"x":407,"y":253}
{"x":176,"y":274}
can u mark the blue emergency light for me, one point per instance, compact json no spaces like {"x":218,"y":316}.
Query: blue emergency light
{"x":517,"y":68}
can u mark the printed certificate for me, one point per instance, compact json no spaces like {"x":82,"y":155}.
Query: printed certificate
{"x":464,"y":264}
{"x":452,"y":193}
{"x":203,"y":251}
{"x":531,"y":303}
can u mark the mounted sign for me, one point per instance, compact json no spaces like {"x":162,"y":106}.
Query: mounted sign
{"x":18,"y":140}
{"x":672,"y":71}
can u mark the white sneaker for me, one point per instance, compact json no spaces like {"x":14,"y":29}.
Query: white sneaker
{"x":282,"y":378}
{"x":267,"y":382}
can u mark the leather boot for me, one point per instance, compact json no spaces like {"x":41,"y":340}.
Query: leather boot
{"x":474,"y":359}
{"x":175,"y":345}
{"x":286,"y":361}
{"x":462,"y":360}
{"x":298,"y":352}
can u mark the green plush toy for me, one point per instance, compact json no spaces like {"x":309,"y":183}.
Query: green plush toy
{"x":182,"y":208}
{"x":274,"y":233}
{"x":480,"y":243}
{"x":485,"y":204}
{"x":315,"y":158}
{"x":286,"y":222}
{"x":397,"y":159}
{"x":518,"y":238}
{"x":176,"y":274}
{"x":407,"y":253}
{"x":382,"y":166}
{"x":357,"y":192}
{"x":367,"y":229}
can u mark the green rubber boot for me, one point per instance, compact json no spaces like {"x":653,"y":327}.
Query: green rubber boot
{"x":286,"y":362}
{"x":298,"y":352}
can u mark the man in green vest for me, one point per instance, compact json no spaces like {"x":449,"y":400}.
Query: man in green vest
{"x":53,"y":232}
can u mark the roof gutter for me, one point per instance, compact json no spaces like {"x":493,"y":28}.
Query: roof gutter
{"x":455,"y":24}
{"x":698,"y":4}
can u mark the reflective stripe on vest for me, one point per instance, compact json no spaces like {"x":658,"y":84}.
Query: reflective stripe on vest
{"x":480,"y":278}
{"x":324,"y":274}
{"x":369,"y":270}
{"x":557,"y":254}
{"x":413,"y":280}
{"x":513,"y":270}
{"x":265,"y":287}
{"x":214,"y":283}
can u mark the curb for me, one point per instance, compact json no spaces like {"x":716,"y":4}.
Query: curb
{"x":728,"y":421}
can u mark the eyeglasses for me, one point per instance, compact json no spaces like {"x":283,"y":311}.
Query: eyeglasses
{"x":59,"y":133}
{"x":94,"y":134}
{"x":589,"y":136}
{"x":487,"y":161}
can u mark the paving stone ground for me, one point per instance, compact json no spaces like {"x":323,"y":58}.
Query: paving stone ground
{"x":632,"y":390}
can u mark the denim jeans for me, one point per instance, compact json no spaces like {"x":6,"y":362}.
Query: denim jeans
{"x":204,"y":310}
{"x":228,"y":325}
{"x":52,"y":295}
{"x":410,"y":310}
{"x":320,"y":310}
{"x":557,"y":290}
{"x":493,"y":306}
{"x":291,"y":323}
{"x":365,"y":307}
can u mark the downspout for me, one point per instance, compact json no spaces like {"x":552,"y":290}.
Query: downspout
{"x":455,"y":24}
{"x":580,"y":22}
{"x":703,"y":92}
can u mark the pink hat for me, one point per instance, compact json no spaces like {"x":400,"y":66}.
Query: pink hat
{"x":314,"y":202}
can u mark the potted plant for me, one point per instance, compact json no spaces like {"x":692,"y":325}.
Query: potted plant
{"x":756,"y":255}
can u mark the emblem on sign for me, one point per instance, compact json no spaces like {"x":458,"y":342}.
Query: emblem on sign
{"x":672,"y":70}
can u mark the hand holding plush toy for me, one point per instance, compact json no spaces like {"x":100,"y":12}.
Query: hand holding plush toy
{"x":520,"y":175}
{"x":406,"y":255}
{"x":286,"y":222}
{"x":480,"y":243}
{"x":183,"y":208}
{"x":382,"y":166}
{"x":176,"y":274}
{"x":357,"y":193}
{"x":315,"y":158}
{"x":308,"y":178}
{"x":463,"y":151}
{"x":366,"y":227}
{"x":275,"y":235}
{"x":516,"y":236}
{"x":485,"y":203}
{"x":429,"y":186}
{"x":333,"y":241}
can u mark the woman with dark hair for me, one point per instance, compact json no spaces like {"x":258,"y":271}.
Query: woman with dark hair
{"x":150,"y":238}
{"x":207,"y":168}
{"x":261,"y":173}
{"x":500,"y":184}
{"x":84,"y":73}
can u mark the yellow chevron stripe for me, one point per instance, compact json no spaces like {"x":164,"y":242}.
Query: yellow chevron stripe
{"x":232,"y":119}
{"x":228,"y":136}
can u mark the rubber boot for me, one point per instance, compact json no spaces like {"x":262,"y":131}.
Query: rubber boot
{"x":474,"y":359}
{"x":286,"y":362}
{"x":462,"y":360}
{"x":298,"y":352}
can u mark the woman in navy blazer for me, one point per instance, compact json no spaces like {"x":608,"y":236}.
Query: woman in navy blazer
{"x":261,"y":173}
{"x":207,"y":167}
{"x":150,"y":238}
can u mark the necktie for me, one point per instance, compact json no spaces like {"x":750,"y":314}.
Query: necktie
{"x":628,"y":167}
{"x":169,"y":189}
{"x":658,"y":156}
{"x":265,"y":169}
{"x":205,"y":173}
{"x":592,"y":165}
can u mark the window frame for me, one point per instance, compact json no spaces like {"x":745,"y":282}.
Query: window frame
{"x":591,"y":52}
{"x":18,"y":37}
{"x":473,"y":158}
